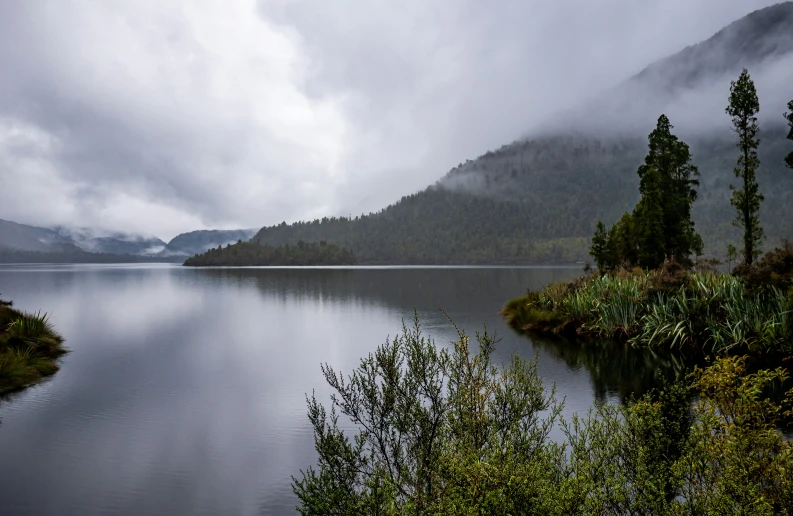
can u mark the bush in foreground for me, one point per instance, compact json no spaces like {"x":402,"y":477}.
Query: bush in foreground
{"x":444,"y":431}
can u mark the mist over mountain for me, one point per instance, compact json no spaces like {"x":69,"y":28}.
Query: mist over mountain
{"x":691,"y":86}
{"x":538,"y":199}
{"x":24,"y":243}
{"x":20,"y":237}
{"x":196,"y":242}
{"x":21,"y":243}
{"x":92,"y":241}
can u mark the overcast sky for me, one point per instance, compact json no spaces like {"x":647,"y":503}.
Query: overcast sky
{"x":159,"y":117}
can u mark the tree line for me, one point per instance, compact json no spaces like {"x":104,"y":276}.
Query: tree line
{"x":252,"y":254}
{"x":661,"y":228}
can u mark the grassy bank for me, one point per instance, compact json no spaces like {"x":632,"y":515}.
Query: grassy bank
{"x":712,"y":312}
{"x":29,"y":348}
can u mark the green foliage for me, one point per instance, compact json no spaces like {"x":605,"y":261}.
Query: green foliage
{"x":29,"y":348}
{"x":660,"y":227}
{"x":743,"y":109}
{"x":252,"y":253}
{"x":440,"y":432}
{"x":623,"y":243}
{"x":789,"y":118}
{"x":774,"y":268}
{"x":668,"y":184}
{"x":599,"y":248}
{"x":443,"y":431}
{"x":709,"y":311}
{"x":737,"y":462}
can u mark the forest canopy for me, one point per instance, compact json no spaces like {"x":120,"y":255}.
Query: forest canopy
{"x":252,"y":254}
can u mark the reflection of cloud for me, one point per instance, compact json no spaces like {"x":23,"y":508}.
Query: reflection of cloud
{"x":121,"y":303}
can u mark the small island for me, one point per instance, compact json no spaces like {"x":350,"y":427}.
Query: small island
{"x":29,"y":348}
{"x":254,"y":254}
{"x":670,"y":308}
{"x":649,"y":289}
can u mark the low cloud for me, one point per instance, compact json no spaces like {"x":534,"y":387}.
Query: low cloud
{"x":160,"y":117}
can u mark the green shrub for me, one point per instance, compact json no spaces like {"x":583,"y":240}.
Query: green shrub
{"x":445,"y":432}
{"x":773,"y":269}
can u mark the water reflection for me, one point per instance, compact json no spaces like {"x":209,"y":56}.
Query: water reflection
{"x":618,"y":369}
{"x":472,"y":297}
{"x":184,"y":391}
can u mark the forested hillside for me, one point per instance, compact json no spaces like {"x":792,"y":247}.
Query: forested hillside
{"x":438,"y":226}
{"x":251,"y":254}
{"x":538,"y":200}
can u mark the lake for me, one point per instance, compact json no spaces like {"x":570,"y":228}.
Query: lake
{"x":185,"y":389}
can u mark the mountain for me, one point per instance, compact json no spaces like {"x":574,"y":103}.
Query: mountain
{"x":20,"y":237}
{"x":23,"y":243}
{"x":197,"y":242}
{"x":538,"y":199}
{"x":20,"y":243}
{"x":116,"y":243}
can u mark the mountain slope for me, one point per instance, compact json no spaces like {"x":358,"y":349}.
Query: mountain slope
{"x":20,"y":243}
{"x":538,"y":200}
{"x":196,"y":242}
{"x":20,"y":237}
{"x":92,"y":241}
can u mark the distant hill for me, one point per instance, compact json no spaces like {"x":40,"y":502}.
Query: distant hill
{"x":537,"y":200}
{"x":197,"y":242}
{"x":20,"y":243}
{"x":23,"y":243}
{"x":20,"y":237}
{"x":117,"y":243}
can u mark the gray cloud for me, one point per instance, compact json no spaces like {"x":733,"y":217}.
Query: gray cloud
{"x":161,"y":117}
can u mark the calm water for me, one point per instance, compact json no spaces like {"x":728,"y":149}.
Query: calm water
{"x":184,"y":391}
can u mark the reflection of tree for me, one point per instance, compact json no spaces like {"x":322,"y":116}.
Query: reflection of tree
{"x":617,"y":368}
{"x":614,"y":368}
{"x":469,"y":290}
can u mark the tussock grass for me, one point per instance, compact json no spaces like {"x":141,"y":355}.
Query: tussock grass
{"x":29,"y":348}
{"x":714,"y":312}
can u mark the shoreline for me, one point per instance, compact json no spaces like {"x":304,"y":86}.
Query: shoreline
{"x":30,"y":349}
{"x":706,"y":312}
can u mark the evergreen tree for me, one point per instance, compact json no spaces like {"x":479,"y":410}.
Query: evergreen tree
{"x":789,"y":117}
{"x":623,"y":242}
{"x":743,"y":109}
{"x":668,"y":187}
{"x":649,"y":217}
{"x":599,"y":249}
{"x":660,"y":226}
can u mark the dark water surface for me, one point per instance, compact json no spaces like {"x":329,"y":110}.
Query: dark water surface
{"x":184,"y":391}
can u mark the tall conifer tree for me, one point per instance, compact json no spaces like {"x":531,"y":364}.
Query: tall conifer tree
{"x":660,"y":226}
{"x":668,"y":182}
{"x":743,"y":109}
{"x":789,"y":117}
{"x":649,"y":216}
